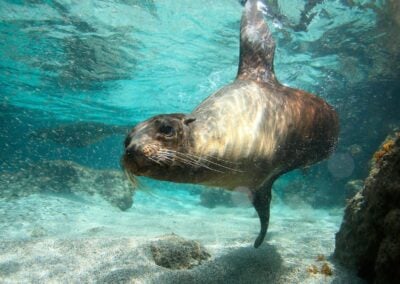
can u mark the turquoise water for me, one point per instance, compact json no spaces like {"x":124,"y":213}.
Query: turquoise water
{"x":75,"y":75}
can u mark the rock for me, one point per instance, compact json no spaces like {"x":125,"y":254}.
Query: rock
{"x":121,"y":198}
{"x":355,"y":149}
{"x":353,"y":186}
{"x":215,"y":197}
{"x":311,"y":187}
{"x":9,"y":267}
{"x":368,"y":239}
{"x":38,"y":232}
{"x":79,"y":134}
{"x":211,"y":198}
{"x":174,"y":252}
{"x":67,"y":177}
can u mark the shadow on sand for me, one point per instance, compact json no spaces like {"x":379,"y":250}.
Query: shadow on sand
{"x":244,"y":265}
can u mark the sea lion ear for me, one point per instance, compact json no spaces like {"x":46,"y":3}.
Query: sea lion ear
{"x":188,"y":120}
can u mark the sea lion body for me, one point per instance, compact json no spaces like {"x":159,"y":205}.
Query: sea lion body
{"x":245,"y":135}
{"x":263,"y":130}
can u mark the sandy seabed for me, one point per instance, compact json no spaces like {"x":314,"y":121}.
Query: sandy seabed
{"x":82,"y":239}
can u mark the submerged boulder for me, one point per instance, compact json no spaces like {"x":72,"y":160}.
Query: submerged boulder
{"x":369,"y":237}
{"x":79,"y":134}
{"x":67,"y":177}
{"x":212,"y":198}
{"x":172,"y":251}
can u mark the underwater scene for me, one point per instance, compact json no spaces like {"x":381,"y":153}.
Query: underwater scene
{"x":160,"y":141}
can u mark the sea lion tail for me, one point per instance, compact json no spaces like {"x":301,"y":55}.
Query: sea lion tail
{"x":261,"y":202}
{"x":257,"y":46}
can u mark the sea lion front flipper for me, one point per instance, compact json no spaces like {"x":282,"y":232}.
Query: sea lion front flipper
{"x":261,"y":202}
{"x":257,"y":46}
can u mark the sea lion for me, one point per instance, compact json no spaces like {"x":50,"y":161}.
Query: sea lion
{"x":246,"y":134}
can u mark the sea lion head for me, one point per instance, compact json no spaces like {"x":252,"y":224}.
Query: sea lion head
{"x":154,"y":146}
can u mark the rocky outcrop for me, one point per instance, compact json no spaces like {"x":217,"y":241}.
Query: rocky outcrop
{"x":352,"y":187}
{"x":174,"y":252}
{"x":66,"y":177}
{"x":369,"y":237}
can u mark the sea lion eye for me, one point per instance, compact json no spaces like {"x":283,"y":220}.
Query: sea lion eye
{"x":167,"y":130}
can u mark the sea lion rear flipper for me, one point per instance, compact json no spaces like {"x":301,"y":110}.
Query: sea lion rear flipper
{"x":257,"y":46}
{"x":261,"y":202}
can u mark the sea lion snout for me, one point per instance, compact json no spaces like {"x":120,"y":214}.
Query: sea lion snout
{"x":134,"y":159}
{"x":155,"y":143}
{"x":132,"y":151}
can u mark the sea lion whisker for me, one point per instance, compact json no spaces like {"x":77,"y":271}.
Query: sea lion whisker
{"x":196,"y":162}
{"x":183,"y":161}
{"x":164,"y":158}
{"x":136,"y":183}
{"x":217,"y":159}
{"x":218,"y":164}
{"x":201,"y":158}
{"x":131,"y":178}
{"x":154,"y":160}
{"x":164,"y":153}
{"x":188,"y":160}
{"x":210,"y":157}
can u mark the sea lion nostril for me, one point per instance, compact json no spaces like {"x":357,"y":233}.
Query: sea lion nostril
{"x":131,"y":151}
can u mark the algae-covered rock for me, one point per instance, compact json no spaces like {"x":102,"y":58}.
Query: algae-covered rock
{"x":174,"y":252}
{"x":353,"y":186}
{"x":67,"y":177}
{"x":368,"y":239}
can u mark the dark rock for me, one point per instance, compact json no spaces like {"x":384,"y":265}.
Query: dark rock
{"x":66,"y":177}
{"x":79,"y":134}
{"x":9,"y":267}
{"x":174,"y":252}
{"x":214,"y":197}
{"x":313,"y":186}
{"x":353,"y":186}
{"x":368,"y":239}
{"x":121,"y":198}
{"x":211,"y":198}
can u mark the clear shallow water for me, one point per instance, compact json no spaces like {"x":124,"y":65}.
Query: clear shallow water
{"x":112,"y":60}
{"x":119,"y":62}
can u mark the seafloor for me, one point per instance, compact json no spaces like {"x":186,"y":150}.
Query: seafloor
{"x":55,"y":238}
